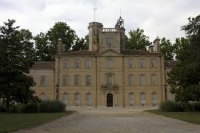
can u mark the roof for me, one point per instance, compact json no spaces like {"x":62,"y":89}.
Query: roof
{"x":170,"y":63}
{"x":138,"y":52}
{"x":48,"y":65}
{"x":80,"y":52}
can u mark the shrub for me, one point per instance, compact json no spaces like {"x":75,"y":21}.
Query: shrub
{"x":30,"y":108}
{"x":2,"y":108}
{"x":195,"y":106}
{"x":170,"y":106}
{"x":52,"y":106}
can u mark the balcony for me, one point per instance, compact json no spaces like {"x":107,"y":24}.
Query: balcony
{"x":109,"y":87}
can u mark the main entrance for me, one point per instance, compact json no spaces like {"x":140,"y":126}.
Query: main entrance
{"x":109,"y":100}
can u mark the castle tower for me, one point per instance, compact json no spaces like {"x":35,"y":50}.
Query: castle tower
{"x":94,"y":29}
{"x":156,"y":47}
{"x":120,"y":28}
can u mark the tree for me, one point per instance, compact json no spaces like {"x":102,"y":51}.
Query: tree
{"x":137,"y":40}
{"x":185,"y":78}
{"x":81,"y":44}
{"x":179,"y":47}
{"x":16,"y":58}
{"x":167,"y":49}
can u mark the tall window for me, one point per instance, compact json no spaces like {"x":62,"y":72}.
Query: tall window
{"x":88,"y":63}
{"x":141,"y":62}
{"x":65,"y":98}
{"x":77,"y":80}
{"x":43,"y":96}
{"x":142,"y":98}
{"x":130,"y":79}
{"x":109,"y":63}
{"x":142,"y":79}
{"x":109,"y":81}
{"x":154,"y":98}
{"x":109,"y":42}
{"x":88,"y":99}
{"x":66,"y":80}
{"x":153,"y":63}
{"x":77,"y":99}
{"x":66,"y":63}
{"x":77,"y":63}
{"x":43,"y":80}
{"x":130,"y":63}
{"x":88,"y":80}
{"x":131,"y":99}
{"x":153,"y":79}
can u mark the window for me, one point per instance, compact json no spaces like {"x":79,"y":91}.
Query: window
{"x":153,"y":79}
{"x":131,"y":99}
{"x":77,"y":99}
{"x":88,"y":99}
{"x":77,"y":63}
{"x":154,"y":98}
{"x":88,"y":80}
{"x":153,"y":63}
{"x":130,"y":79}
{"x":142,"y":99}
{"x":109,"y":81}
{"x":65,"y":98}
{"x":141,"y":62}
{"x":88,"y":63}
{"x":43,"y":96}
{"x":142,"y":79}
{"x":66,"y":80}
{"x":130,"y":63}
{"x":43,"y":80}
{"x":77,"y":80}
{"x":66,"y":63}
{"x":109,"y":42}
{"x":109,"y":63}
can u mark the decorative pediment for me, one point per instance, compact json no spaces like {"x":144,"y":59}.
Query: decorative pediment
{"x":109,"y":52}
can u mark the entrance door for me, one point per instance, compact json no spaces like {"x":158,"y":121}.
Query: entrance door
{"x":109,"y":100}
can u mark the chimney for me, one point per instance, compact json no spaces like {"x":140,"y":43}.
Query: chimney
{"x":151,"y":48}
{"x":156,"y":43}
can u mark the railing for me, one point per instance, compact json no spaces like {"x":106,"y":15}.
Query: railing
{"x":109,"y":30}
{"x":109,"y":86}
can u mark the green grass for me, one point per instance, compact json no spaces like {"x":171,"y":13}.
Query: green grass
{"x":14,"y":121}
{"x":192,"y":117}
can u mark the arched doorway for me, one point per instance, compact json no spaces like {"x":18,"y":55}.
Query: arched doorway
{"x":109,"y":100}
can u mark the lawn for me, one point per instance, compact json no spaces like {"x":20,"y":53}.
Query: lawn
{"x":14,"y":121}
{"x":192,"y":117}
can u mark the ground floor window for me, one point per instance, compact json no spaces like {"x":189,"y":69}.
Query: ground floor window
{"x":154,"y":98}
{"x":88,"y":99}
{"x":43,"y":96}
{"x":142,"y":99}
{"x":77,"y":99}
{"x":65,"y":98}
{"x":131,"y":99}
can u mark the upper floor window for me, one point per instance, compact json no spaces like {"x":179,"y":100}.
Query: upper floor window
{"x":66,"y":80}
{"x":109,"y":81}
{"x":109,"y":42}
{"x":153,"y":63}
{"x":109,"y":63}
{"x":88,"y":63}
{"x":141,"y":62}
{"x":142,"y":79}
{"x":77,"y":80}
{"x":130,"y":63}
{"x":66,"y":63}
{"x":130,"y":79}
{"x":88,"y":80}
{"x":43,"y":80}
{"x":77,"y":63}
{"x":153,"y":79}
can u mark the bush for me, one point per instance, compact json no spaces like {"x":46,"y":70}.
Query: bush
{"x":52,"y":106}
{"x":170,"y":106}
{"x":2,"y":108}
{"x":30,"y":108}
{"x":195,"y":106}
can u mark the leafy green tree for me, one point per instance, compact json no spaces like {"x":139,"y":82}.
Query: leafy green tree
{"x":137,"y":40}
{"x":179,"y":47}
{"x":81,"y":44}
{"x":16,"y":58}
{"x":167,"y":49}
{"x":185,"y":78}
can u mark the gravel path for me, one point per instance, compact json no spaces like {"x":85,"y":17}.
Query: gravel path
{"x":114,"y":121}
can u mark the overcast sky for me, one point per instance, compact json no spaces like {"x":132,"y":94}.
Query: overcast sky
{"x":161,"y":18}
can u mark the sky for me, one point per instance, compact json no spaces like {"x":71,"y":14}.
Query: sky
{"x":162,"y":18}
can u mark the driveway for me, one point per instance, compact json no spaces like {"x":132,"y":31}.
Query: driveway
{"x":114,"y":120}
